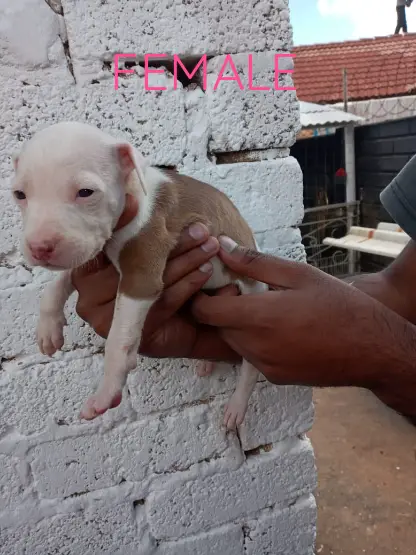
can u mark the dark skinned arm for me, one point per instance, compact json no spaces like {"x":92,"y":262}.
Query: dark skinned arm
{"x":395,"y":286}
{"x":312,"y":329}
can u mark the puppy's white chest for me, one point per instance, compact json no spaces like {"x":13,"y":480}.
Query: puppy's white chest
{"x":119,"y":239}
{"x":112,"y":251}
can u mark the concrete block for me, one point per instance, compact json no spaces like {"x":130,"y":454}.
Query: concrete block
{"x":269,"y":194}
{"x":278,"y":238}
{"x":198,"y":129}
{"x":129,"y":452}
{"x":244,"y":119}
{"x":47,"y":397}
{"x":192,"y":507}
{"x":28,"y":107}
{"x":103,"y":530}
{"x":289,"y":531}
{"x":153,"y":121}
{"x":13,"y":482}
{"x":98,"y":29}
{"x":82,"y":464}
{"x":10,"y":223}
{"x":31,"y":42}
{"x":276,"y":413}
{"x":14,"y":277}
{"x":18,"y":329}
{"x":158,"y":385}
{"x":290,"y":252}
{"x":193,"y":435}
{"x":225,"y":540}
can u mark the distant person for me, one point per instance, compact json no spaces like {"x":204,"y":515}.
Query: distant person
{"x":401,"y":15}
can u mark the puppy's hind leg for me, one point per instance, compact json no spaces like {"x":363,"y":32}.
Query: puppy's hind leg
{"x":236,"y":407}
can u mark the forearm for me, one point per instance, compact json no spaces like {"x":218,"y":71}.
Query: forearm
{"x":391,"y":365}
{"x":394,"y":287}
{"x":381,"y":287}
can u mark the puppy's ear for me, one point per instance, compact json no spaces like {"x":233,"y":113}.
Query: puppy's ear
{"x":15,"y":160}
{"x":130,"y":160}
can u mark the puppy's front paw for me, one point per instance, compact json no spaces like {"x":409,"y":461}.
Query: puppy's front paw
{"x":235,"y":411}
{"x":50,"y":333}
{"x":107,"y":397}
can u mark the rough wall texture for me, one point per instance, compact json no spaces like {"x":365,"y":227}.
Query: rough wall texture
{"x":158,"y":475}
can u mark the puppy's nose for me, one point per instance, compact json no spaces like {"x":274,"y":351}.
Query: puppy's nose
{"x":42,"y":250}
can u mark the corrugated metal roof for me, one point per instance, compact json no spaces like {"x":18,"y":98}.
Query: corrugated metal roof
{"x":318,"y":115}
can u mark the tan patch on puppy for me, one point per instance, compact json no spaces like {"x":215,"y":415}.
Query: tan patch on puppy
{"x":178,"y":204}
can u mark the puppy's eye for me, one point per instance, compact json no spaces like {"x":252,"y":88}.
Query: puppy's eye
{"x":83,"y":193}
{"x":19,"y":195}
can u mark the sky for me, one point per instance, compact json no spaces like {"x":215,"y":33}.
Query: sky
{"x":316,"y":21}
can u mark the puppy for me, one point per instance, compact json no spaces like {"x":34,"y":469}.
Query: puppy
{"x":70,"y":184}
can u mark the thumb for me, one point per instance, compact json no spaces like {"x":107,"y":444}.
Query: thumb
{"x":276,"y":272}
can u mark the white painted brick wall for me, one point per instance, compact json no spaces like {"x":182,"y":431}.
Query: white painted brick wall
{"x":227,"y":539}
{"x":264,"y":192}
{"x":101,"y":530}
{"x":159,"y":120}
{"x":158,"y":475}
{"x":237,"y":122}
{"x":297,"y":530}
{"x":171,"y":27}
{"x":279,"y":476}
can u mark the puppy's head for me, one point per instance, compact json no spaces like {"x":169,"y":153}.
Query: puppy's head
{"x":70,"y":183}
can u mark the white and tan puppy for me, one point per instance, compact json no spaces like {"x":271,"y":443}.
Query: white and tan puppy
{"x":70,"y":183}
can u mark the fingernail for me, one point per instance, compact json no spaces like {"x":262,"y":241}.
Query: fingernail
{"x":227,"y":244}
{"x":210,"y":245}
{"x":206,"y":268}
{"x":197,"y":231}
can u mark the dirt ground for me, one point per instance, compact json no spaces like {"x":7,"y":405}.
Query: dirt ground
{"x":366,"y":458}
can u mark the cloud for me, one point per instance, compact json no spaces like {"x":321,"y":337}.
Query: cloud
{"x":369,"y":18}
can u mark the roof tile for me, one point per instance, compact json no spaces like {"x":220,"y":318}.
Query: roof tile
{"x":376,"y":68}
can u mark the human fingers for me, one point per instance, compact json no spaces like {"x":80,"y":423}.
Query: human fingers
{"x":227,"y":311}
{"x":99,"y":263}
{"x":98,"y":317}
{"x":175,"y":296}
{"x":183,"y":264}
{"x":191,"y":237}
{"x":96,"y":289}
{"x":274,"y":271}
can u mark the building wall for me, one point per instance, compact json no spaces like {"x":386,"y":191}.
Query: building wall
{"x":381,"y":152}
{"x":158,"y":475}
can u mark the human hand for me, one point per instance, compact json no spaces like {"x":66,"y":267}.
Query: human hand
{"x":312,"y":329}
{"x":170,"y":330}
